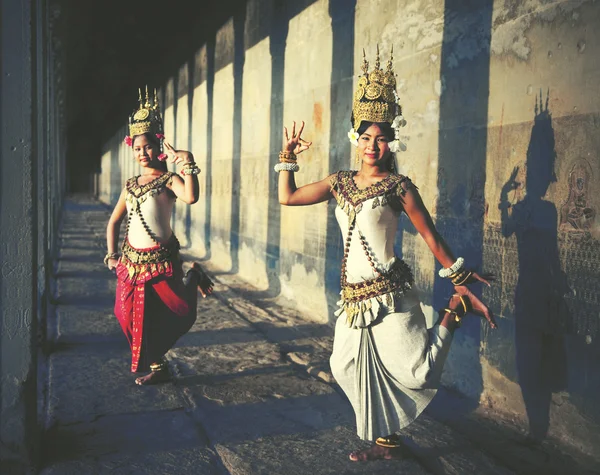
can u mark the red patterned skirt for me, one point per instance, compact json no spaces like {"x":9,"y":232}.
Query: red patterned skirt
{"x":152,"y":304}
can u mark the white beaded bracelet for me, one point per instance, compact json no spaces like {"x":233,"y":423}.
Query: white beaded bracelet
{"x":190,"y":171}
{"x":447,"y":272}
{"x":285,"y":166}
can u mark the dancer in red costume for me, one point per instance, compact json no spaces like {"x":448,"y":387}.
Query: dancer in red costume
{"x":155,"y":304}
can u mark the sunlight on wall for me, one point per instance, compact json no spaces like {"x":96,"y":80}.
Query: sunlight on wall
{"x":255,"y":171}
{"x":106,"y":177}
{"x":222,"y":154}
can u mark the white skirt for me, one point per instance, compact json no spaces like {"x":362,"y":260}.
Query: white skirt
{"x":389,"y":370}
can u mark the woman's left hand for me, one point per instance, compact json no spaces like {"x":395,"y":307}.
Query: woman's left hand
{"x":477,"y":306}
{"x":485,"y":278}
{"x":178,"y":157}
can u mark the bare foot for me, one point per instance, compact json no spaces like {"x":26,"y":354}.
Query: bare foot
{"x":153,"y":378}
{"x":376,"y":452}
{"x":205,"y":285}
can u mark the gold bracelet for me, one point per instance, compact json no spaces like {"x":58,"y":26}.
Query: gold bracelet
{"x":110,"y":255}
{"x":457,"y":274}
{"x":464,"y":304}
{"x":287,"y":155}
{"x":457,"y":317}
{"x":463,"y":278}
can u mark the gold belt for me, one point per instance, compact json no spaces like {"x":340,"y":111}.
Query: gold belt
{"x":399,"y":277}
{"x":162,"y":253}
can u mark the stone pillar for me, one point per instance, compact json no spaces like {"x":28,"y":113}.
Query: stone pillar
{"x":18,"y":241}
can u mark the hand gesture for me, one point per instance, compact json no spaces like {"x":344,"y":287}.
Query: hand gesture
{"x":477,"y":306}
{"x":511,"y":185}
{"x":485,"y":278}
{"x":178,"y":156}
{"x":295,"y":144}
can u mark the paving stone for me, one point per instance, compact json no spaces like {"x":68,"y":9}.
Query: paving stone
{"x":78,"y":324}
{"x":89,"y":381}
{"x":444,"y":451}
{"x":318,"y":452}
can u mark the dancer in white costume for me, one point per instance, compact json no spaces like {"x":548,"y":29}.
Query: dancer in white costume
{"x":384,"y":357}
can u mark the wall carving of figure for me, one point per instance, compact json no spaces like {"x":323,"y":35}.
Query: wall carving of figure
{"x":576,"y":214}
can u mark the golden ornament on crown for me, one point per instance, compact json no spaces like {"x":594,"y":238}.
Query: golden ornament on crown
{"x":147,"y":118}
{"x":375,"y":98}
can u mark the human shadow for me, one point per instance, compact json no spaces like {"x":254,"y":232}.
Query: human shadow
{"x":342,"y":14}
{"x":541,"y":315}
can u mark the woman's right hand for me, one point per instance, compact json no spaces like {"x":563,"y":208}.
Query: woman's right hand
{"x":295,"y":144}
{"x":112,"y":264}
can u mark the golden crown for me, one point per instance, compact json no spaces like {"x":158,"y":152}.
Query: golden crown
{"x":375,"y":98}
{"x":147,"y":117}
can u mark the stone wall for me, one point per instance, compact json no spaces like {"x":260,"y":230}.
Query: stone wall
{"x":31,"y":191}
{"x":503,"y":108}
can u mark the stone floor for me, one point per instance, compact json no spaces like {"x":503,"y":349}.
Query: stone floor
{"x":251,"y":393}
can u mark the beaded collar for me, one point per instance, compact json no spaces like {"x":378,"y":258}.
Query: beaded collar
{"x":139,"y":190}
{"x":350,"y":198}
{"x":346,"y":186}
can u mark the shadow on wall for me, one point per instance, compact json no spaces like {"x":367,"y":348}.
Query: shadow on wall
{"x":278,"y":40}
{"x":460,"y":206}
{"x":542,"y":318}
{"x":210,"y":105}
{"x":342,"y":14}
{"x":239,"y":21}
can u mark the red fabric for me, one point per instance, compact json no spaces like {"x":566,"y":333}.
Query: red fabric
{"x":159,"y":300}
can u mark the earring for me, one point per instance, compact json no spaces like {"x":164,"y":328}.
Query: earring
{"x":392,"y":165}
{"x":357,"y":157}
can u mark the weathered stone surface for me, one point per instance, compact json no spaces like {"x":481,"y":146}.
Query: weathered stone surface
{"x":89,"y":381}
{"x":319,"y":452}
{"x":443,"y":450}
{"x":78,"y":324}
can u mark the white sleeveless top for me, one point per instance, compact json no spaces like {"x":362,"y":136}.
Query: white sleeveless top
{"x":375,"y":213}
{"x":155,"y":203}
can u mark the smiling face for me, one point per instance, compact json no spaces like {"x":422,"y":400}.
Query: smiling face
{"x":373,"y":148}
{"x":145,"y":151}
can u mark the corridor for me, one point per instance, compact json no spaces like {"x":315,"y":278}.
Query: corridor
{"x":496,"y":106}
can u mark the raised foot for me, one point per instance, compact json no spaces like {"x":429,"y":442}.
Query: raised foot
{"x":205,"y":285}
{"x":376,"y":452}
{"x":155,"y":377}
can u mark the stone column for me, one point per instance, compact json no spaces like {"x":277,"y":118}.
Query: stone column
{"x":18,"y":239}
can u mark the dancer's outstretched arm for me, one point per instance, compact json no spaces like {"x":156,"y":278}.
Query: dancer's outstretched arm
{"x":289,"y":193}
{"x":421,"y":219}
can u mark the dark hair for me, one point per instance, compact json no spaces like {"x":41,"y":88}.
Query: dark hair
{"x":384,"y":126}
{"x":151,"y":138}
{"x":154,"y":141}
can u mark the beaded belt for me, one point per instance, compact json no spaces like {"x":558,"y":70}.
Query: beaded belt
{"x":155,"y":255}
{"x":399,"y":277}
{"x":137,"y":266}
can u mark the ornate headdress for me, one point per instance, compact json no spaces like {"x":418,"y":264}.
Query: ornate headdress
{"x":146,"y":119}
{"x":376,"y":100}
